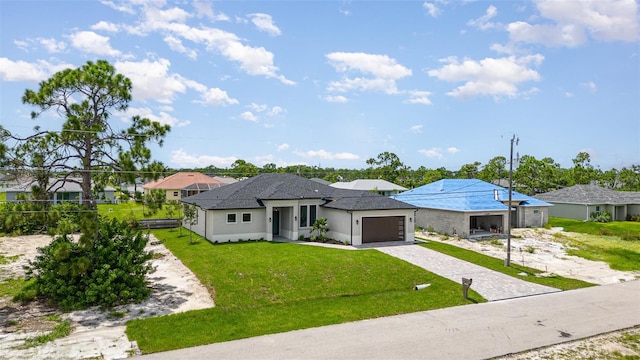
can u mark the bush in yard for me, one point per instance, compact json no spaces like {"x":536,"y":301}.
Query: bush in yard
{"x":108,"y":271}
{"x":602,"y":217}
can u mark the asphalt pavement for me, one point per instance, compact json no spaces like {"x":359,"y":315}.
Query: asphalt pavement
{"x":478,"y":331}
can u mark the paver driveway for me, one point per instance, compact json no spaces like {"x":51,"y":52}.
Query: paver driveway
{"x":492,"y":285}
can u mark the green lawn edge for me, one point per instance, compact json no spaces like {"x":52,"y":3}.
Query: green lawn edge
{"x":262,"y":301}
{"x":498,"y":265}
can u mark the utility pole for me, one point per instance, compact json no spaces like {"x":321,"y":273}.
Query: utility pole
{"x":508,"y":260}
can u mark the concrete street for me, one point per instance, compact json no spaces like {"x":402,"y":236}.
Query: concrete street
{"x":478,"y":331}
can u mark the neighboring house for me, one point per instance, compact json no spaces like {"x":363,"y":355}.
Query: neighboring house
{"x":469,"y":207}
{"x":64,"y":191}
{"x":382,"y":187}
{"x":321,"y":181}
{"x":183,"y":184}
{"x":272,"y":206}
{"x":225,"y":179}
{"x":580,"y":201}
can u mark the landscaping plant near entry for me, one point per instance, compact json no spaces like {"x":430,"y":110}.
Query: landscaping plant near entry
{"x":320,"y":226}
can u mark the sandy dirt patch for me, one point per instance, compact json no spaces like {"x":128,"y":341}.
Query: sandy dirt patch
{"x":96,"y":334}
{"x":541,"y":249}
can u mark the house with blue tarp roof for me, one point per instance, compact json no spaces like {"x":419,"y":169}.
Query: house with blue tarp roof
{"x":471,"y":207}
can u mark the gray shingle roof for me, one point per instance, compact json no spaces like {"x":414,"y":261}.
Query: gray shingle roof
{"x":590,"y":194}
{"x":250,"y":193}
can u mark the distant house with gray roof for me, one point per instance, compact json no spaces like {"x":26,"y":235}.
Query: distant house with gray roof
{"x":472,"y":208}
{"x":580,"y":201}
{"x":380,"y":186}
{"x":275,"y":206}
{"x":62,"y":191}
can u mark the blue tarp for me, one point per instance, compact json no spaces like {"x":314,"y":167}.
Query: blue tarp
{"x":464,"y":195}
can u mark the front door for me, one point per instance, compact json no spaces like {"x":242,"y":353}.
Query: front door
{"x":276,"y":222}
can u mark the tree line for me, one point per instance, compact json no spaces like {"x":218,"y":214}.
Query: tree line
{"x":531,"y":176}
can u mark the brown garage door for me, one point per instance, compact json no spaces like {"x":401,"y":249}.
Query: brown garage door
{"x":379,"y":229}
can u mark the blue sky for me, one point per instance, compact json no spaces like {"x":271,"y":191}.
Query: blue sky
{"x":333,"y":83}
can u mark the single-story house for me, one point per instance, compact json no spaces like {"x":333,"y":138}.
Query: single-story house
{"x":382,"y":187}
{"x":64,"y":191}
{"x":273,"y":206}
{"x":471,"y":207}
{"x":183,"y":184}
{"x":580,"y":201}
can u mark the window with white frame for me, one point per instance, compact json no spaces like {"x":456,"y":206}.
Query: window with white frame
{"x":231,"y":218}
{"x":246,"y":217}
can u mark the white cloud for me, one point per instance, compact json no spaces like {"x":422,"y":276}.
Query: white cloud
{"x":483,"y":22}
{"x":418,"y":97}
{"x":326,"y":155}
{"x":21,"y":44}
{"x":151,"y":79}
{"x":432,"y":9}
{"x":283,"y":147}
{"x":335,"y":99}
{"x":258,"y":107}
{"x":276,"y":110}
{"x":263,"y":108}
{"x":255,"y":61}
{"x":248,"y":115}
{"x":29,"y":71}
{"x":52,"y":45}
{"x":262,"y":160}
{"x":182,"y":159}
{"x":416,"y":129}
{"x":205,"y":9}
{"x":383,"y":69}
{"x":264,"y":23}
{"x":92,"y":43}
{"x":163,"y":117}
{"x":122,"y":6}
{"x":571,"y":22}
{"x":105,"y":26}
{"x":433,"y":153}
{"x":452,"y":150}
{"x":566,"y":35}
{"x":590,"y":85}
{"x":176,"y":45}
{"x":217,"y":97}
{"x":490,"y":76}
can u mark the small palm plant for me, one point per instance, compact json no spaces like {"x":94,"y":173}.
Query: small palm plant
{"x":321,"y":226}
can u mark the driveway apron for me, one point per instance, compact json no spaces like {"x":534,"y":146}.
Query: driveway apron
{"x":492,"y":285}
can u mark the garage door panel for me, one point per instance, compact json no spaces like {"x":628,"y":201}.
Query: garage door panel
{"x":381,"y":229}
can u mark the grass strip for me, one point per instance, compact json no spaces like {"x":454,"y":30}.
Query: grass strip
{"x":625,"y":230}
{"x":514,"y":270}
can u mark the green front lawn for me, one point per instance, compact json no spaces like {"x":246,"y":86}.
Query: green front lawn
{"x":264,"y":288}
{"x":514,"y":269}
